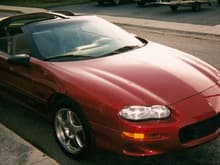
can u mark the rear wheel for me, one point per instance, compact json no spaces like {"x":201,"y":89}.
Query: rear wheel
{"x":72,"y":129}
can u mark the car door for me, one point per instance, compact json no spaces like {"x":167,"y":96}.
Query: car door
{"x":29,"y":84}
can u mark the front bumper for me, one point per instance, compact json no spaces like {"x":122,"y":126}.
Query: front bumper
{"x":187,"y":127}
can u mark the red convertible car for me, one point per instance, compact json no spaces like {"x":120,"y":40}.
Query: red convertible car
{"x":100,"y":85}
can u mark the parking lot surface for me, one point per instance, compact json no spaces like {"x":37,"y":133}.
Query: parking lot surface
{"x":209,"y":15}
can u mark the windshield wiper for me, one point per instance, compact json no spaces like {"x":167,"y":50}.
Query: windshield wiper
{"x":78,"y":57}
{"x":122,"y":49}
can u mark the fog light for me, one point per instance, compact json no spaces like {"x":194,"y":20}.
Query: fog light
{"x":137,"y":136}
{"x":141,"y":136}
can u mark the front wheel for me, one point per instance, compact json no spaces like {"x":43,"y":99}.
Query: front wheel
{"x":72,"y":130}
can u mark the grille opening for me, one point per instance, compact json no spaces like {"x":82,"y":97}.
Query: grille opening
{"x":200,"y":129}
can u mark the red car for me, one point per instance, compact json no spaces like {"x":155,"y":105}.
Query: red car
{"x":100,"y":85}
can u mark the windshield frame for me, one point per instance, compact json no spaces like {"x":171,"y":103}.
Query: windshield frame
{"x":31,"y":28}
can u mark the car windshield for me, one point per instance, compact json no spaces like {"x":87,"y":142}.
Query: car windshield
{"x":83,"y":38}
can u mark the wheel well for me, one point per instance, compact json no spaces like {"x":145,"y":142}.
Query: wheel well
{"x":56,"y":100}
{"x":56,"y":96}
{"x":53,"y":101}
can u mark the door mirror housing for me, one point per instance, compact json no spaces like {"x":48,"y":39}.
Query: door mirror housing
{"x":22,"y":59}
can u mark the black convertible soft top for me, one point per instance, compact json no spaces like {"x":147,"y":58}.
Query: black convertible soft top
{"x":23,"y":19}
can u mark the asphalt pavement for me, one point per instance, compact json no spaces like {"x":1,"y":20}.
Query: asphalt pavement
{"x":202,"y":24}
{"x":209,"y":15}
{"x":190,"y":29}
{"x":15,"y":150}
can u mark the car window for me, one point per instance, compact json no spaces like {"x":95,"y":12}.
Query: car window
{"x":20,"y":45}
{"x":84,"y":37}
{"x":4,"y":44}
{"x":16,"y":44}
{"x":47,"y":43}
{"x":12,"y":38}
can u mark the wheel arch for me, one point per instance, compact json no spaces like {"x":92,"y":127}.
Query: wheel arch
{"x":54,"y":100}
{"x":58,"y":99}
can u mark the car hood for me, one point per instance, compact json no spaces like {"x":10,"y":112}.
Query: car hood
{"x":154,"y":74}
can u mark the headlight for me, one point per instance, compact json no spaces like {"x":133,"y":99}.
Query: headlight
{"x":143,"y":112}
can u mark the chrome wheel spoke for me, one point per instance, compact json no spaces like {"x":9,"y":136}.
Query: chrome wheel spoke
{"x":69,"y":117}
{"x":77,"y":128}
{"x":66,"y":131}
{"x":68,"y":142}
{"x":61,"y":122}
{"x":72,"y":144}
{"x":69,"y":130}
{"x":72,"y":136}
{"x":79,"y":141}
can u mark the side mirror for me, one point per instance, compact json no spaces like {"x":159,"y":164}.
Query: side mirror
{"x":142,"y":39}
{"x":139,"y":38}
{"x":22,"y":59}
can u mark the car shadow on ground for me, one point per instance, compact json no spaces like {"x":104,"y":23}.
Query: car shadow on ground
{"x":39,"y":132}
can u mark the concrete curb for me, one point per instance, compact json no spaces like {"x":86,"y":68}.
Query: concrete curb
{"x":15,"y":151}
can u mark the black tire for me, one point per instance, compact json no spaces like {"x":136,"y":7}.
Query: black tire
{"x":174,"y":8}
{"x":76,"y":126}
{"x":196,"y":7}
{"x":141,"y":3}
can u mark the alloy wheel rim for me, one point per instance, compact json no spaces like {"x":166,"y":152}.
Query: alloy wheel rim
{"x":69,"y":130}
